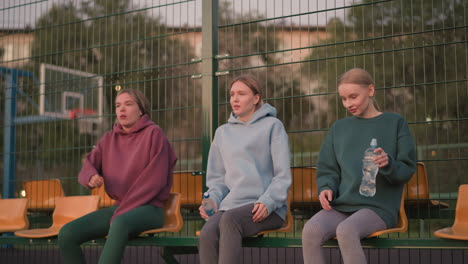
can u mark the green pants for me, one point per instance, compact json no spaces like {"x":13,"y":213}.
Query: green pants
{"x":97,"y":225}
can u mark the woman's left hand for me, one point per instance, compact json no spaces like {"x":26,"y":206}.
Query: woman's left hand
{"x":382,"y":158}
{"x":260,"y":212}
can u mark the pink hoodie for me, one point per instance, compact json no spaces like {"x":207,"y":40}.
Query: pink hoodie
{"x":137,"y":166}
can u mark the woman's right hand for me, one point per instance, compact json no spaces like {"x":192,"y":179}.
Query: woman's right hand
{"x":202,"y":212}
{"x":325,"y":197}
{"x":96,"y":181}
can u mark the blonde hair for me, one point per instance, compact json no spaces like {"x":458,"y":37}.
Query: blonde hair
{"x":140,"y":99}
{"x":253,"y":84}
{"x":360,"y":77}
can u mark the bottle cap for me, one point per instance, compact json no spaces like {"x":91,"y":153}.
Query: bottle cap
{"x":206,"y":195}
{"x":373,"y":143}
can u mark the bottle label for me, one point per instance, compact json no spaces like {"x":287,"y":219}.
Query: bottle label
{"x":210,"y":212}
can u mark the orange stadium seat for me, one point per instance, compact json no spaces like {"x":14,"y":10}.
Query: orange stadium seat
{"x":67,"y":209}
{"x":304,"y":187}
{"x":42,"y":194}
{"x":13,"y":215}
{"x":417,"y":189}
{"x":459,"y":229}
{"x":105,"y":200}
{"x":190,"y":188}
{"x":402,"y":225}
{"x":173,"y":221}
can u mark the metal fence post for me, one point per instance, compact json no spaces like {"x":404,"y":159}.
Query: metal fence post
{"x":209,"y":80}
{"x":11,"y":78}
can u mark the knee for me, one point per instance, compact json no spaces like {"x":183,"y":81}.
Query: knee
{"x":120,"y":225}
{"x":346,"y":232}
{"x":67,"y":235}
{"x":228,"y":221}
{"x":208,"y":236}
{"x":312,"y":234}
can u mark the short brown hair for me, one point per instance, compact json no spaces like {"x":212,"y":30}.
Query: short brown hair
{"x":252,"y":83}
{"x":360,"y":77}
{"x":140,"y":98}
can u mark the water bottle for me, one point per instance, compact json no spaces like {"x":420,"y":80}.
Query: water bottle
{"x":369,"y":170}
{"x":208,"y":204}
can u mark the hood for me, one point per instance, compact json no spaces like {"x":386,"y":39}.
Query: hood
{"x":264,"y":111}
{"x":144,"y":122}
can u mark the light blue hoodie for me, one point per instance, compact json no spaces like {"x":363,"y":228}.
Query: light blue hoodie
{"x":249,"y":163}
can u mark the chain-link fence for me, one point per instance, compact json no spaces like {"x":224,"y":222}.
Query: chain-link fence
{"x":63,"y":62}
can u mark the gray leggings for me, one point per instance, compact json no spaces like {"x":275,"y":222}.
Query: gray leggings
{"x":221,"y":236}
{"x":349,"y":229}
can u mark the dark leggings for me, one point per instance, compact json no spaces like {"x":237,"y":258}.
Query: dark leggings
{"x":221,"y":236}
{"x":97,"y":225}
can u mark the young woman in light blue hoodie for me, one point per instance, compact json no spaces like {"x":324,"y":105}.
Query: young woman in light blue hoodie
{"x":248,"y":175}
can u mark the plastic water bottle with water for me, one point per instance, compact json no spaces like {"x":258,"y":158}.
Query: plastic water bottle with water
{"x":369,"y":170}
{"x":208,"y":204}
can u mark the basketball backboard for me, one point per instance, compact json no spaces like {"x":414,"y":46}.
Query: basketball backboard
{"x":67,"y":93}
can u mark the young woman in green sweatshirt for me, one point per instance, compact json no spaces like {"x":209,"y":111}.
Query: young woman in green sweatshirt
{"x":346,"y":213}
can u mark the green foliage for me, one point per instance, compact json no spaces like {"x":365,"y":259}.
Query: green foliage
{"x":131,"y":49}
{"x":417,"y":55}
{"x":253,"y":46}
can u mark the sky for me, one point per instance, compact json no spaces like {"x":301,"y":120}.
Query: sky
{"x":23,"y":13}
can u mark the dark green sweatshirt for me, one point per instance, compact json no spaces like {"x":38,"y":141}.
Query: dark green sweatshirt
{"x":340,"y":163}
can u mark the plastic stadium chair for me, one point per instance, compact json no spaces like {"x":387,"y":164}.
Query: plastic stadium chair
{"x":417,"y":189}
{"x":459,"y":229}
{"x":288,"y":223}
{"x":402,"y":225}
{"x":190,"y":188}
{"x":105,"y":200}
{"x":13,"y":215}
{"x":172,"y":218}
{"x":304,"y":187}
{"x":42,"y":194}
{"x":67,"y":209}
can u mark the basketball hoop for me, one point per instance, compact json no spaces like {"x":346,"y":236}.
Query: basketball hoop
{"x":79,"y":112}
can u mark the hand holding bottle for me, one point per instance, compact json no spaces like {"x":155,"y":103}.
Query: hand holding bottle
{"x":208,"y":206}
{"x":382,"y":157}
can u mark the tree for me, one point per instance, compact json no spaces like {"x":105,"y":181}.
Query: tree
{"x":131,"y":49}
{"x":408,"y":47}
{"x":128,"y":49}
{"x":251,"y":46}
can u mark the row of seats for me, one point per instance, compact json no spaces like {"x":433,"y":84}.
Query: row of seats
{"x":13,"y":215}
{"x":42,"y":194}
{"x":304,"y":189}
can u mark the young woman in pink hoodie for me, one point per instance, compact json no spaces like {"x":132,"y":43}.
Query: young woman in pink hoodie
{"x":135,"y":161}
